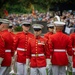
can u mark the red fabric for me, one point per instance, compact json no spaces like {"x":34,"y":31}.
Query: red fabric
{"x":35,"y":48}
{"x":72,"y":36}
{"x":47,"y":35}
{"x":6,"y":12}
{"x":8,"y":46}
{"x":73,"y":46}
{"x":60,"y":41}
{"x":33,"y":12}
{"x":22,"y":42}
{"x":2,"y":45}
{"x":14,"y":39}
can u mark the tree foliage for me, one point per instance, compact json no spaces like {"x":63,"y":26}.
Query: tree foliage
{"x":25,"y":6}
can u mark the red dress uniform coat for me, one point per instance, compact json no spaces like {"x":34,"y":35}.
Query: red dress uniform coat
{"x":73,"y":47}
{"x":47,"y":35}
{"x":8,"y":48}
{"x":14,"y":39}
{"x":59,"y":45}
{"x":37,"y":52}
{"x":21,"y":46}
{"x":2,"y":45}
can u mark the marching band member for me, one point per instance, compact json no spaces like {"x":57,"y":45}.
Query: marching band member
{"x":8,"y":40}
{"x":37,"y":52}
{"x":47,"y":36}
{"x":59,"y":45}
{"x":73,"y":48}
{"x":50,"y":29}
{"x":2,"y":46}
{"x":21,"y":46}
{"x":10,"y":29}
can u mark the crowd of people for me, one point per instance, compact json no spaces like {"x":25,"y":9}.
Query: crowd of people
{"x":32,"y":53}
{"x":67,"y":17}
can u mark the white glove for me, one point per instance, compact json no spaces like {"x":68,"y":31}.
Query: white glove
{"x":70,"y":58}
{"x":27,"y":64}
{"x":1,"y":59}
{"x":48,"y":61}
{"x":12,"y":72}
{"x":69,"y":67}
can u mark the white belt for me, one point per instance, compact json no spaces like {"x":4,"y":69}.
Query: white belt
{"x":21,"y":49}
{"x":59,"y":50}
{"x":73,"y":48}
{"x":8,"y":50}
{"x":37,"y":55}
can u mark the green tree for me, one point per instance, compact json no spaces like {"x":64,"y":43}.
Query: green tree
{"x":26,"y":6}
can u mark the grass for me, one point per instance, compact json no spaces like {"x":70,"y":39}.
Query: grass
{"x":70,"y":73}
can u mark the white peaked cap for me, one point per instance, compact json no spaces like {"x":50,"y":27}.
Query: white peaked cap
{"x":5,"y":21}
{"x":25,"y":22}
{"x":50,"y":25}
{"x":58,"y":22}
{"x":37,"y":26}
